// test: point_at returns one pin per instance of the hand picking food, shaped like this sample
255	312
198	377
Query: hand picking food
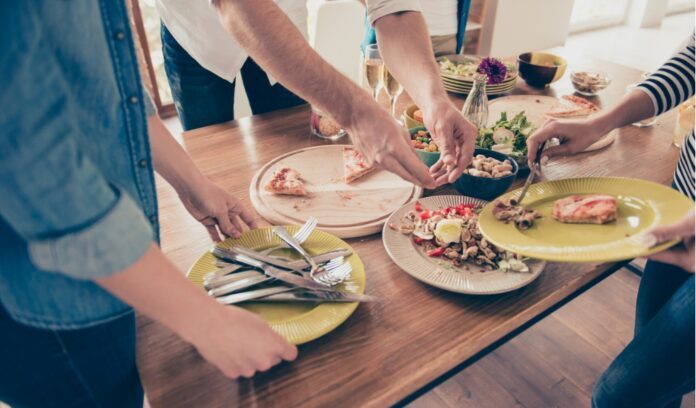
586	209
286	181
354	166
509	210
488	167
452	233
507	136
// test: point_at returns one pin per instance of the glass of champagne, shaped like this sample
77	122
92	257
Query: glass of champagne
393	89
373	68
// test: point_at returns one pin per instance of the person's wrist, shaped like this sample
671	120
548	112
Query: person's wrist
435	105
603	124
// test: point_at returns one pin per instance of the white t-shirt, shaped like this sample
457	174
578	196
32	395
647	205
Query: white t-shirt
440	16
195	25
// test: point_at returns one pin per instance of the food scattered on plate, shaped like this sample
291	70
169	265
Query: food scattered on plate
507	136
496	70
488	167
586	209
423	141
589	82
571	106
286	181
509	211
452	233
354	166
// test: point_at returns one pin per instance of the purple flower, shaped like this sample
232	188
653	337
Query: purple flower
495	70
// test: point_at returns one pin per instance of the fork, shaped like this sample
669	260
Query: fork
300	236
284	235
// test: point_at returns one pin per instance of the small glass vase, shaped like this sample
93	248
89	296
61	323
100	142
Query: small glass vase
475	108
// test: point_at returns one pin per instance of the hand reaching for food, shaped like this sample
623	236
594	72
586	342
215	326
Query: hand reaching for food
455	138
222	214
574	136
682	254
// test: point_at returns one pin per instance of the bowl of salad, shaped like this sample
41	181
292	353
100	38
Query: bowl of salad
508	136
426	148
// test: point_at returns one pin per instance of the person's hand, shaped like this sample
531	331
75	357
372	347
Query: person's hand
574	136
239	343
384	143
222	214
682	254
455	137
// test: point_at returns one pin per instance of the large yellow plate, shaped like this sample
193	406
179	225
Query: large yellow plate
297	322
641	205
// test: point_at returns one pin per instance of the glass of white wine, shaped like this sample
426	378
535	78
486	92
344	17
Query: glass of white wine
373	68
393	89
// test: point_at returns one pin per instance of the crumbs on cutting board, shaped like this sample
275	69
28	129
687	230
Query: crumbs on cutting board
345	196
301	204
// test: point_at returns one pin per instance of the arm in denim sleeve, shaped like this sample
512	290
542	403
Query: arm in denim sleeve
51	194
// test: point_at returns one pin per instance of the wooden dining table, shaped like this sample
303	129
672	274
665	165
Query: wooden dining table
416	336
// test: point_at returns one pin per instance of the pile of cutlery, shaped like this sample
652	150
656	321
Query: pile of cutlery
244	274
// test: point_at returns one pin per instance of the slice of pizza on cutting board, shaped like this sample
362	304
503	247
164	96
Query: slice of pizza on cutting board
286	181
354	166
571	106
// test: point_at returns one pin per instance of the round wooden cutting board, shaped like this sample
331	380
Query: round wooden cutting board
535	107
345	210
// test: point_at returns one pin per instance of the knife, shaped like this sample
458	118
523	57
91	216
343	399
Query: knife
296	265
310	296
252	294
216	282
532	173
238	285
225	270
279	274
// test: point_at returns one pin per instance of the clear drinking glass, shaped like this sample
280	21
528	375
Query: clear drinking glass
373	68
393	89
476	105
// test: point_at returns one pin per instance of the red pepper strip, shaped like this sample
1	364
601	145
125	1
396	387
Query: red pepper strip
418	206
425	215
418	240
436	252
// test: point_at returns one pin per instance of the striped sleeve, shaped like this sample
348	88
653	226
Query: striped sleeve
673	83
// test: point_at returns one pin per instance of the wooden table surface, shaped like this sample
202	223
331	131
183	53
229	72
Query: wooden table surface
416	335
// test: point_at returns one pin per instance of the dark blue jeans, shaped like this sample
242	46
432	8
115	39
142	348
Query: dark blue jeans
202	98
92	367
657	367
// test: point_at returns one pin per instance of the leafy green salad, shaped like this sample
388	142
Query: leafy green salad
507	136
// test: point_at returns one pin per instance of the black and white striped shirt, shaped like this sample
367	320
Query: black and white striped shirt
669	86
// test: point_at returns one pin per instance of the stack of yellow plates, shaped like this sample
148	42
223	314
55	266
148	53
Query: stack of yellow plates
462	83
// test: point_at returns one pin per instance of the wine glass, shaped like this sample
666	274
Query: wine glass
393	89
373	68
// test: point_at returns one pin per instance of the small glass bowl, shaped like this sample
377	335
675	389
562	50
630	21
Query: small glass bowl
589	82
324	126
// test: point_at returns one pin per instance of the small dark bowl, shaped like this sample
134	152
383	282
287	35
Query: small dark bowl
539	69
487	188
429	158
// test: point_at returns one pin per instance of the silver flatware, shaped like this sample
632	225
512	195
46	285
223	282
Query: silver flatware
239	284
215	282
284	235
252	294
274	272
295	265
300	236
226	269
308	296
533	170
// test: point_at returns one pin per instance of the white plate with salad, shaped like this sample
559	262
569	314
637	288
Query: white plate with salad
437	241
512	119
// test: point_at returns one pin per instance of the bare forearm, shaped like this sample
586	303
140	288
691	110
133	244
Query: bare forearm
408	55
155	288
170	159
269	37
633	107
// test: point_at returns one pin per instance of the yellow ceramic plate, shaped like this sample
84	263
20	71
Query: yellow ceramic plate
297	322
641	205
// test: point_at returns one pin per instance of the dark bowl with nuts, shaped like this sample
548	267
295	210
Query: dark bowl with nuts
488	176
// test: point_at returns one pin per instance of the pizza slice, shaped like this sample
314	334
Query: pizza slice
585	209
354	165
286	181
571	106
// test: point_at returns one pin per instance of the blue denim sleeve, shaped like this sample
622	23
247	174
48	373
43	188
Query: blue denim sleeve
74	221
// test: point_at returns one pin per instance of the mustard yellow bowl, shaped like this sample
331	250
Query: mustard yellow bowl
409	120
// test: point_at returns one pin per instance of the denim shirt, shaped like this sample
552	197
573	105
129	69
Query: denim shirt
77	195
